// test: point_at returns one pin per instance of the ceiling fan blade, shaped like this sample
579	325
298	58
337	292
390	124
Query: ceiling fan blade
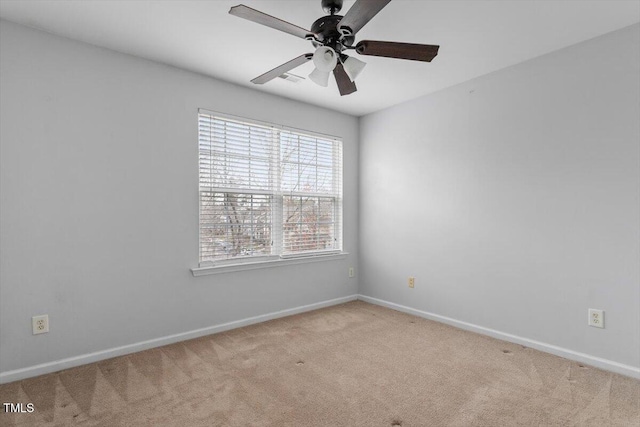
345	85
415	52
250	14
359	14
280	70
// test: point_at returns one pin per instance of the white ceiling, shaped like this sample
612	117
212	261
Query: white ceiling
476	38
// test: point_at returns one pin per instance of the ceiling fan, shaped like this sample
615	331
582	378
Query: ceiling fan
333	34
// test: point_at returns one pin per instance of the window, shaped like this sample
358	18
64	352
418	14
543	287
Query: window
266	191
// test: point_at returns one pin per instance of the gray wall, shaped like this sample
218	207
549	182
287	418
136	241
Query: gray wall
514	199
99	201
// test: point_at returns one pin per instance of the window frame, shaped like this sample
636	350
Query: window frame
278	257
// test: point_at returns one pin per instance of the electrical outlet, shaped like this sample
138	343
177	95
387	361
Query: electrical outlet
40	324
412	282
352	272
596	318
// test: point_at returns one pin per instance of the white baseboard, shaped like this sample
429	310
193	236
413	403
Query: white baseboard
46	368
608	365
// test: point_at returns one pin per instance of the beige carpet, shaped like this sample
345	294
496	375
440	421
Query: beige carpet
354	364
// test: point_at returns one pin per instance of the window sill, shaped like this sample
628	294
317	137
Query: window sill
230	268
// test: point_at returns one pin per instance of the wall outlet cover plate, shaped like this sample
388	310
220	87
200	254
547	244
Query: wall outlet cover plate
40	324
596	318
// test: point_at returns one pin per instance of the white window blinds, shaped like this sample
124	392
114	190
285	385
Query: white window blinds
266	190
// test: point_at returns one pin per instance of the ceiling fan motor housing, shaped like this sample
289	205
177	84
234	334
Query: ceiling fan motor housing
326	33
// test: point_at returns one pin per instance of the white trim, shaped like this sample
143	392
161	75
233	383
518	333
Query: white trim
239	260
46	368
608	365
243	266
311	254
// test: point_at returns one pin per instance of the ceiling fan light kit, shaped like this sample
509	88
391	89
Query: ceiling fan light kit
325	59
353	67
333	34
319	77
